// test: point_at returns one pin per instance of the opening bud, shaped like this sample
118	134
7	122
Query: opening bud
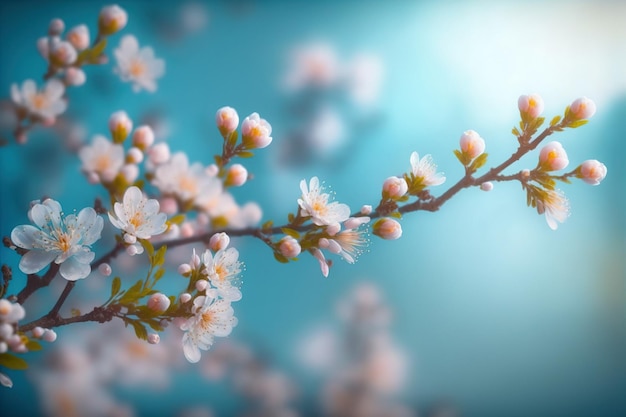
387	228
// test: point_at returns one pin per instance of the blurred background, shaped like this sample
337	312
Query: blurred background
478	310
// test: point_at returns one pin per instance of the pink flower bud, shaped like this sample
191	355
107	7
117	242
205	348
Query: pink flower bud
186	229
387	228
592	171
134	155
582	108
486	186
6	331
130	239
62	53
472	144
552	157
112	19
120	126
49	335
256	132
158	302
43	47
219	241
366	209
201	284
531	106
289	247
132	250
93	178
38	332
236	176
154	338
130	172
78	36
525	174
56	27
227	120
394	188
105	269
212	170
184	269
333	229
159	153
354	222
185	297
168	205
75	76
143	137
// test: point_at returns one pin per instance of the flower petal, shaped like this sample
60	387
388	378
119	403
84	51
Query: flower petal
72	269
36	260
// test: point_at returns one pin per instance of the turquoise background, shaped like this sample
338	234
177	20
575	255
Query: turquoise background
500	315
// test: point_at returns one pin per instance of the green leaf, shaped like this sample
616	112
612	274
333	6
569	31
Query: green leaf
158	274
12	362
140	330
267	225
147	246
516	132
461	157
133	293
178	219
218	160
578	123
479	161
98	48
159	257
396	214
290	232
245	154
232	139
33	346
115	286
280	258
555	120
75	312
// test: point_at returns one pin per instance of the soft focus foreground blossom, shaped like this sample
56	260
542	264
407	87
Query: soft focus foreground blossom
530	106
314	203
63	240
212	317
592	171
112	19
313	65
472	144
190	184
120	126
46	103
138	216
138	66
555	206
255	132
552	157
78	36
102	160
582	108
425	171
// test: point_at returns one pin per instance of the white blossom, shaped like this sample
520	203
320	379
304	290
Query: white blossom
62	240
46	103
138	66
314	203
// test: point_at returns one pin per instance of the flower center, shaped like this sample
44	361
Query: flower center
103	162
39	101
206	319
137	68
64	242
320	207
136	220
188	184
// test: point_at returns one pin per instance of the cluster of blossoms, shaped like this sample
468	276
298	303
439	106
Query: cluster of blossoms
66	55
13	341
215	281
321	83
539	183
364	369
